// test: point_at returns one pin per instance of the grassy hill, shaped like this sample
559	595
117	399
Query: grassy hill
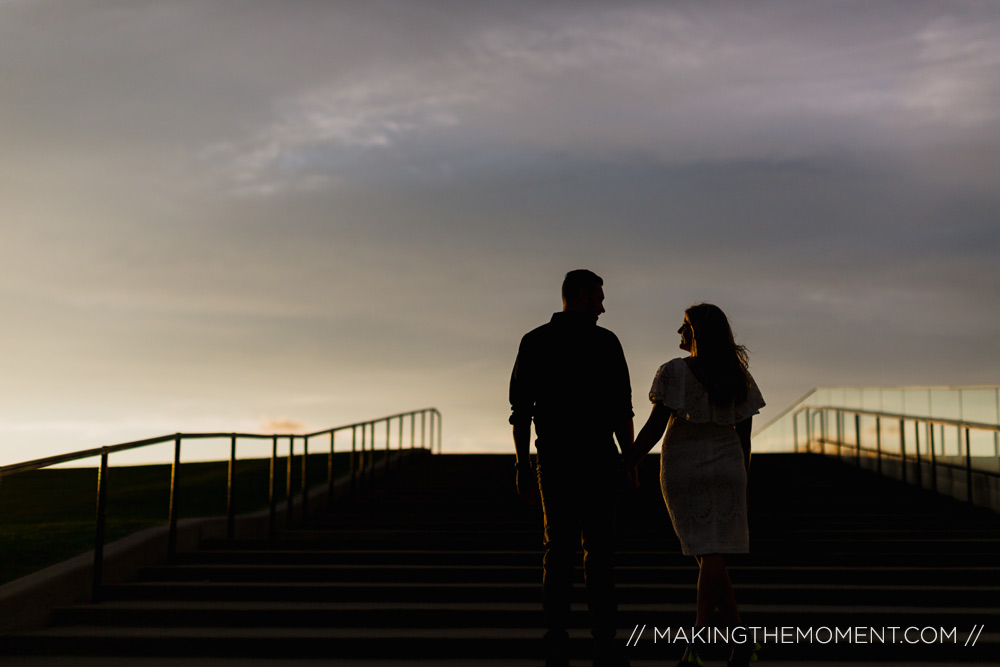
47	516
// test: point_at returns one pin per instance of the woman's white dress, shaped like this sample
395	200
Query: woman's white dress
702	474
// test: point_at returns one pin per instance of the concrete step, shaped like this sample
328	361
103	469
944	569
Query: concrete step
764	536
322	552
803	592
443	567
447	643
531	574
398	614
328	554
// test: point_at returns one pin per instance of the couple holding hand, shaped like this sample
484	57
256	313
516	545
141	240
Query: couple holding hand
572	381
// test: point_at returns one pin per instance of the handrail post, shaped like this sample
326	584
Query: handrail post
305	479
968	465
366	454
329	470
857	438
371	454
930	445
174	491
808	431
413	432
102	510
289	498
230	502
272	527
795	432
431	429
423	429
916	449
822	431
878	442
362	461
388	423
840	432
440	430
354	448
902	445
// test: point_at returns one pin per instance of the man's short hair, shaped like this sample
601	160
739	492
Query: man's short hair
580	279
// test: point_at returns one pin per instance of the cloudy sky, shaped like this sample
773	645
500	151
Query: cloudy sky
240	215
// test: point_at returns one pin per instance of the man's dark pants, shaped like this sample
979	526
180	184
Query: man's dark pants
578	493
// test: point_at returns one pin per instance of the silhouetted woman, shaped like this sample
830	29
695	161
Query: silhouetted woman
705	403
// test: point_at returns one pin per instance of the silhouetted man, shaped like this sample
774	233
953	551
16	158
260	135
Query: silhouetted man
571	378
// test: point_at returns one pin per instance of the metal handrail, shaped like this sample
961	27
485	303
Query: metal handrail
959	423
361	469
929	422
781	415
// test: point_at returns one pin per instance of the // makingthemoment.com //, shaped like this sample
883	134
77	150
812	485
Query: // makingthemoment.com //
794	635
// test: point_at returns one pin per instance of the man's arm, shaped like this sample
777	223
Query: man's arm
625	434
625	430
525	480
521	404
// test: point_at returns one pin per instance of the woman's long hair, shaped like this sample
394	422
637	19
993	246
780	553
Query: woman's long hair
720	363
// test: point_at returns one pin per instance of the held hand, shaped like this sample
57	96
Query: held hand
527	485
628	468
633	475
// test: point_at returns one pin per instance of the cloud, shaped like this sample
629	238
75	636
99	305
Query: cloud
678	83
955	80
320	133
281	425
213	210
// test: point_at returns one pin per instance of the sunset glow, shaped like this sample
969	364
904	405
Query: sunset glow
258	216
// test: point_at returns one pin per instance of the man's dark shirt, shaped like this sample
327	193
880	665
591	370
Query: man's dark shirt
572	378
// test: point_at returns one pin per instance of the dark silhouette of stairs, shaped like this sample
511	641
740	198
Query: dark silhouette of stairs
441	564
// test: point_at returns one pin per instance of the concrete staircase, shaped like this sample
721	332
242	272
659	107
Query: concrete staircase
440	565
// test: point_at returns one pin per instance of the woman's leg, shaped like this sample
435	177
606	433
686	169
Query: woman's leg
715	589
727	599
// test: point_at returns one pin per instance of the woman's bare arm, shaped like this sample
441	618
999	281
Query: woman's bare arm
650	434
743	429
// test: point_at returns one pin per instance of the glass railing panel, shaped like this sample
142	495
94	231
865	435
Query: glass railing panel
871	399
954	441
946	404
922	435
826	396
852	398
831	396
917	402
892	401
889	436
983	447
972	404
915	438
851	432
866	434
980	405
828	431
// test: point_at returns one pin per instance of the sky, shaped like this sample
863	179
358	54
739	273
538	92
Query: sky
259	216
